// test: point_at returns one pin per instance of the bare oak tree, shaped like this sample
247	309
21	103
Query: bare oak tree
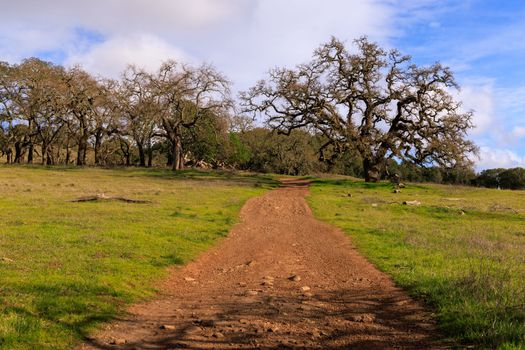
83	100
374	102
186	95
138	108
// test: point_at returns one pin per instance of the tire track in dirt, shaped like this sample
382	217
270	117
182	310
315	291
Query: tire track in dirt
242	294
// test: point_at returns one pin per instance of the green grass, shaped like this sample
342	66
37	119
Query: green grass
462	250
65	267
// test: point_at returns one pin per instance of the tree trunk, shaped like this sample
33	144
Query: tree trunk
30	154
176	152
29	141
96	149
150	156
372	170
142	155
81	153
49	158
169	155
18	152
124	147
178	161
82	146
68	152
44	152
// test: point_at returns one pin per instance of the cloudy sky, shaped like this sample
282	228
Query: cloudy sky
481	40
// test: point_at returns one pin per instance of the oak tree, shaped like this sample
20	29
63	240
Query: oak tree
373	102
187	95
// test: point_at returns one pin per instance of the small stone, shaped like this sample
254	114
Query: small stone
295	278
411	202
397	191
267	284
243	321
218	335
168	327
268	278
189	279
349	194
193	330
206	323
314	332
242	284
305	288
251	292
118	341
7	260
374	205
272	329
364	318
308	294
251	263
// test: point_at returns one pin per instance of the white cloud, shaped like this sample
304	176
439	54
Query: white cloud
518	132
111	57
499	158
31	27
243	38
122	15
478	95
285	33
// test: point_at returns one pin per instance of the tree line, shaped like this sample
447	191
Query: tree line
366	112
56	114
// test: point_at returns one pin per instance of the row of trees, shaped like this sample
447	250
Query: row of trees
359	113
51	112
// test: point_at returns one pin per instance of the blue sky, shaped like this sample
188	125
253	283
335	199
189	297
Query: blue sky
482	41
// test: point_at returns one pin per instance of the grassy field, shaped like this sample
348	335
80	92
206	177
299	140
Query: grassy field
462	250
65	267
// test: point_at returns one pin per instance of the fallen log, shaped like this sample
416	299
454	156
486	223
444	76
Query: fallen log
102	196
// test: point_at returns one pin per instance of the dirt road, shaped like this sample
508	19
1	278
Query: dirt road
281	280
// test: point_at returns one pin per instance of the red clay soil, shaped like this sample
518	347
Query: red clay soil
280	280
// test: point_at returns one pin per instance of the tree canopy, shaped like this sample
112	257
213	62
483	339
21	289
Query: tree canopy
374	102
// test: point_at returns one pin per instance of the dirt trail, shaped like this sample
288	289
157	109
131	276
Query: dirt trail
239	295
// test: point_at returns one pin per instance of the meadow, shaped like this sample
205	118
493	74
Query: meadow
461	251
67	266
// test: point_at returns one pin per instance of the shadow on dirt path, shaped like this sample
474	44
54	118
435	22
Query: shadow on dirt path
280	280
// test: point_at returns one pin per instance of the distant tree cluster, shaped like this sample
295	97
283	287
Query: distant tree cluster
513	179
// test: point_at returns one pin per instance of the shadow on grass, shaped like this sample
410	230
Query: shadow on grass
240	178
361	184
66	306
227	176
349	183
44	312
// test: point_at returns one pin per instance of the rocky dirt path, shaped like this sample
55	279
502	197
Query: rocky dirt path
280	280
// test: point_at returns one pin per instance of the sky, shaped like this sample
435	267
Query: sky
482	41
